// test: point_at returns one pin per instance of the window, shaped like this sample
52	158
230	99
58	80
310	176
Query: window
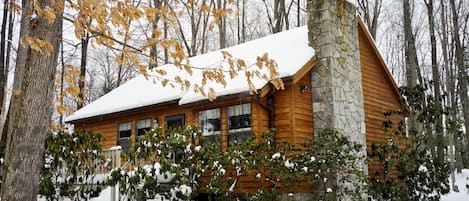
239	122
124	132
175	121
143	126
209	124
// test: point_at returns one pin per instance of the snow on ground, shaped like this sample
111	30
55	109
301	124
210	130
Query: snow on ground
463	185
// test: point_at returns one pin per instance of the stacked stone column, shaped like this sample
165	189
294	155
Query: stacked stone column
336	78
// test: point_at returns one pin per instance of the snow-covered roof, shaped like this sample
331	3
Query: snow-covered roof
288	49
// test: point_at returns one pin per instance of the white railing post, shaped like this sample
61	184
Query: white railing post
114	154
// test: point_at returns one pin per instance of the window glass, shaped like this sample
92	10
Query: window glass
239	122
125	130
143	126
124	133
209	124
175	121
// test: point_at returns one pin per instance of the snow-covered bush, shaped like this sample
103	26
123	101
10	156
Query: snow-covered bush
165	163
330	164
178	165
71	163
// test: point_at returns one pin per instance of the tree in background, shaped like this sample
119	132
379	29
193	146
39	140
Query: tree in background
370	11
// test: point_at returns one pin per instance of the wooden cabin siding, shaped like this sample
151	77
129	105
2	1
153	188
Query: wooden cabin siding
260	115
293	117
283	114
302	105
379	96
107	126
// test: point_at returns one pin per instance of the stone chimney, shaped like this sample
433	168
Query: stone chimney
336	78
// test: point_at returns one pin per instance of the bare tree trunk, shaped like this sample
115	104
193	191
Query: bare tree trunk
462	74
450	83
371	16
11	24
238	23
82	79
298	13
221	5
62	76
243	24
276	21
440	147
453	147
3	67
411	55
4	109
153	61
203	48
31	105
165	35
121	64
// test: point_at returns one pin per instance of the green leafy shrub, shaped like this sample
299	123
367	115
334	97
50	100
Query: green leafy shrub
71	163
410	168
176	165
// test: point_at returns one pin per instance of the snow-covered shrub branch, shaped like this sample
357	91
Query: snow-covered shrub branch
72	162
177	165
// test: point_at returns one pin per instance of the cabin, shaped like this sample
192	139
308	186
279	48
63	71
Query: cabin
143	103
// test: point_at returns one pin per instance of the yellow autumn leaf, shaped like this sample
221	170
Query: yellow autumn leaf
32	44
211	94
241	63
49	14
61	109
164	82
78	28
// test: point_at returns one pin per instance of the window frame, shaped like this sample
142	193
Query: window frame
119	131
137	126
245	131
181	116
215	137
217	132
120	140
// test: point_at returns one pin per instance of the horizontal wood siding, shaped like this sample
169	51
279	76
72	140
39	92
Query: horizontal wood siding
302	110
379	97
107	127
283	115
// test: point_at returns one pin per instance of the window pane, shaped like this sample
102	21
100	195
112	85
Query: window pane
175	121
143	123
239	117
125	130
143	126
125	126
209	122
239	123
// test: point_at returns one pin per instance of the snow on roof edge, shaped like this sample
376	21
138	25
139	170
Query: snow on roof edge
289	64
